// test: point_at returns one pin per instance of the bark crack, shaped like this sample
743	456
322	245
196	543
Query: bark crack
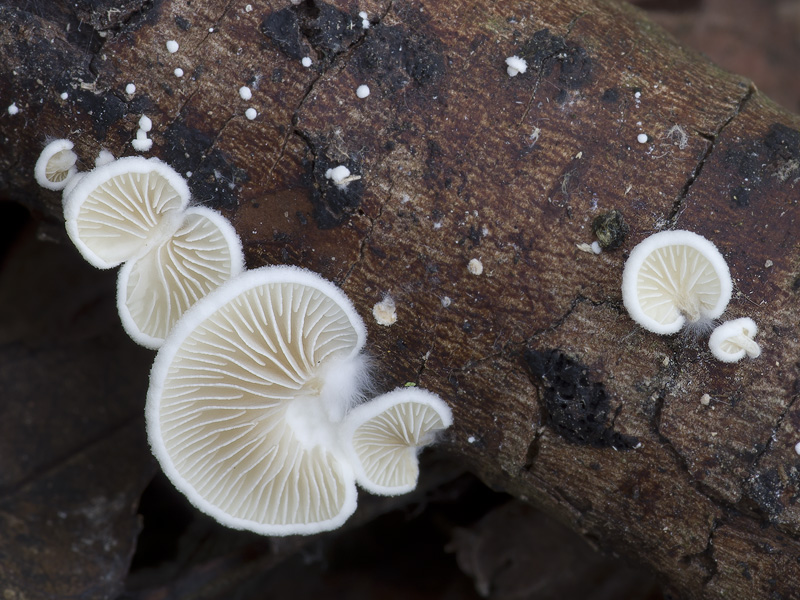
698	169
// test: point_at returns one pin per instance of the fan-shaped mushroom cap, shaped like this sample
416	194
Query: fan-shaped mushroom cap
56	165
238	405
156	288
382	438
673	277
733	339
120	209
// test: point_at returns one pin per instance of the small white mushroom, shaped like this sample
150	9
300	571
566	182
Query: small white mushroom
245	93
475	266
516	65
732	340
56	165
383	437
385	311
675	278
172	46
362	91
341	176
251	113
246	400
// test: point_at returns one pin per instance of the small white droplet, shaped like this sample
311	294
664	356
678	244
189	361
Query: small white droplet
642	138
64	95
471	439
306	62
13	108
362	91
475	266
178	72
637	95
797	447
596	247
172	46
245	93
130	89
705	399
251	113
145	124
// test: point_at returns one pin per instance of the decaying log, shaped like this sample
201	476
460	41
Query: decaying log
558	397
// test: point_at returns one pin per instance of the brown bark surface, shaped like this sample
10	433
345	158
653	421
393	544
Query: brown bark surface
558	397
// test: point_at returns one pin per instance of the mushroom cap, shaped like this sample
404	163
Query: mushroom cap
119	209
673	277
732	340
235	406
56	165
382	438
157	287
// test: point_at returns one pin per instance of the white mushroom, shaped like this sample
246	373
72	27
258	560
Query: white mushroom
733	339
120	209
382	438
245	400
133	210
56	165
674	278
155	289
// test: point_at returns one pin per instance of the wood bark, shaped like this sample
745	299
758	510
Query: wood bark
558	397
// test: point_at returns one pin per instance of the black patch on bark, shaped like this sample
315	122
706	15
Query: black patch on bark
214	177
183	24
394	57
318	24
544	51
332	205
763	164
772	492
610	96
610	229
576	408
104	109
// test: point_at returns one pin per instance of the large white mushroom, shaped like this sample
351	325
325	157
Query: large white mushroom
675	278
246	400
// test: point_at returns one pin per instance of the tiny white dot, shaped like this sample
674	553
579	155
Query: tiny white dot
251	113
797	447
637	95
245	93
471	439
178	72
362	91
210	30
64	95
13	109
248	8
172	46
642	138
446	301
306	62
475	266
130	89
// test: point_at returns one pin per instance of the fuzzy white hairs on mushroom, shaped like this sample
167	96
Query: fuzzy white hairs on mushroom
676	279
136	211
246	398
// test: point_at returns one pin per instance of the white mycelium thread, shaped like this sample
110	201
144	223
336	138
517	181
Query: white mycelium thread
245	399
384	435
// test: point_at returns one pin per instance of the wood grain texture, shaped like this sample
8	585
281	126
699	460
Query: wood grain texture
458	161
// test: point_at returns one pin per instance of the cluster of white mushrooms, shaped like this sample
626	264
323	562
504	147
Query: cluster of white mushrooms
256	406
677	279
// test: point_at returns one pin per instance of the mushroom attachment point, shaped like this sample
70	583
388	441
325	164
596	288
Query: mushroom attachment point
56	165
383	437
246	399
134	210
732	340
675	278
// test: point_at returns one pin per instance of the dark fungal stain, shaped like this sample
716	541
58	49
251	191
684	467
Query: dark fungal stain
771	492
610	229
610	96
763	164
183	24
395	57
575	407
105	110
333	205
322	26
214	177
545	51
